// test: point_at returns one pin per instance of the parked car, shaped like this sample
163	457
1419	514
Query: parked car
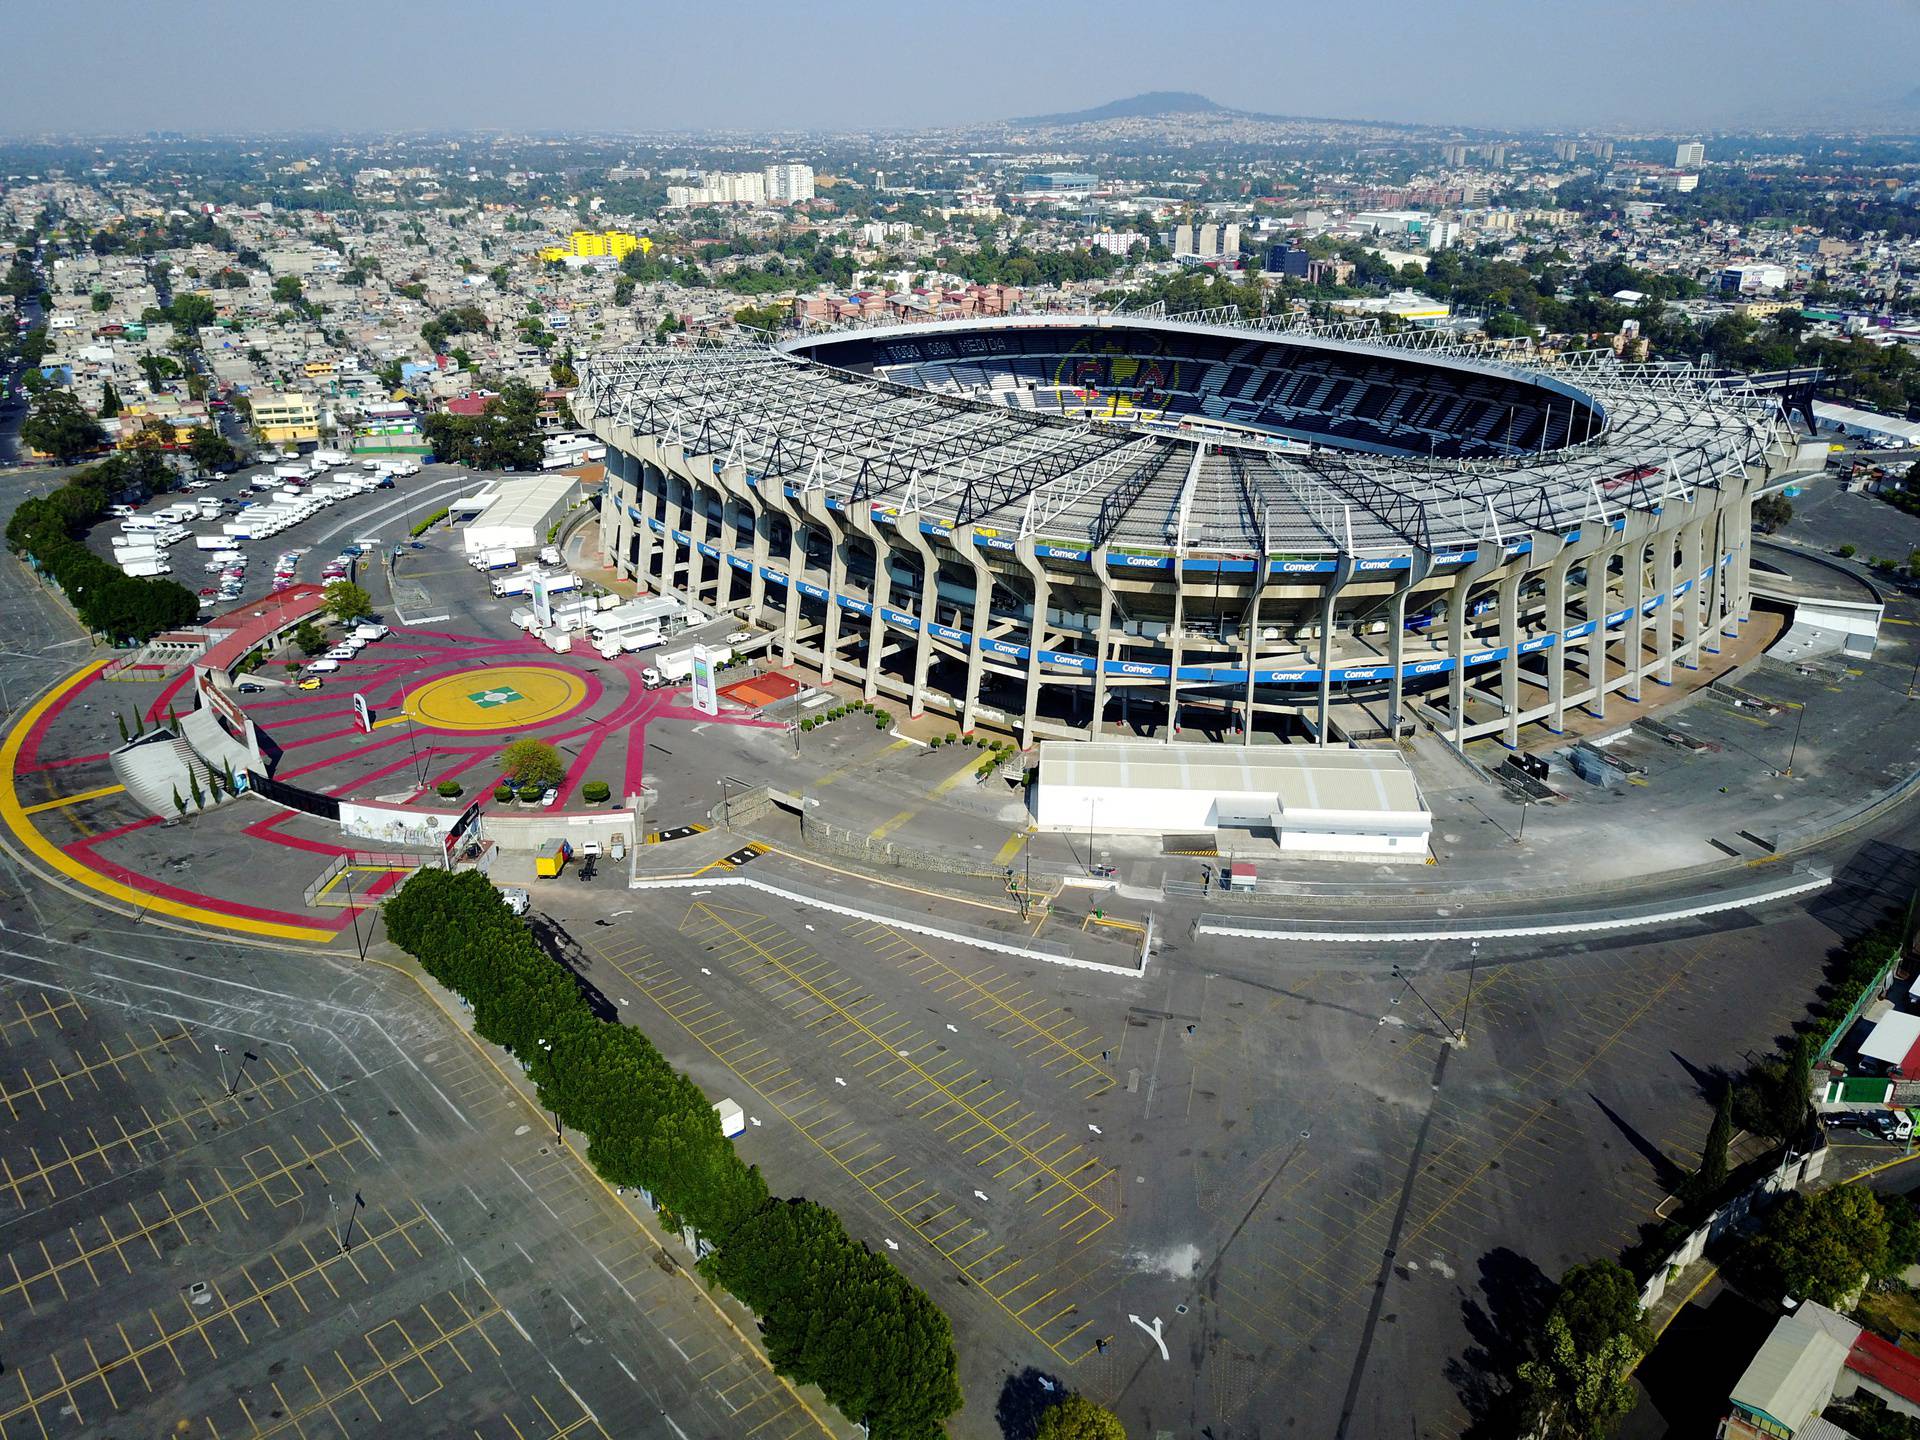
739	637
550	797
250	687
308	682
323	666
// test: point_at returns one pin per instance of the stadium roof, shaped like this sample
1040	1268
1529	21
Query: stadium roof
857	439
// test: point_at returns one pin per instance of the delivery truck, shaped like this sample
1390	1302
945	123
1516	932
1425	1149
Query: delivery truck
147	567
212	542
676	667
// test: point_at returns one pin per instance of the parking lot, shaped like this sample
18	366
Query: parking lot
247	1195
1282	1164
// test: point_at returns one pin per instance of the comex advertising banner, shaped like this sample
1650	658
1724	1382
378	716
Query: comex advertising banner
706	699
361	713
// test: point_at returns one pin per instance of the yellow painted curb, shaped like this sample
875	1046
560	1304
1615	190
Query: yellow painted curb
49	854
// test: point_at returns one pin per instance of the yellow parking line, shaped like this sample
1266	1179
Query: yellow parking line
857	764
15	817
65	800
963	773
887	827
1010	849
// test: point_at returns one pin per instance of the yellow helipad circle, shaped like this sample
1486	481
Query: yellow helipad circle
500	697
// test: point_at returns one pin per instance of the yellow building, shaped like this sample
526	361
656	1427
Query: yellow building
286	419
176	418
594	245
318	369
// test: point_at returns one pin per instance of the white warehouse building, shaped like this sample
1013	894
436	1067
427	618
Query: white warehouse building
519	514
1362	804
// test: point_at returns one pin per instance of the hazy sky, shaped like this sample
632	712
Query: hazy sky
132	65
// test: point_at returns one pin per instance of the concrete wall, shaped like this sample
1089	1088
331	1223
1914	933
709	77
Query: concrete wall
528	830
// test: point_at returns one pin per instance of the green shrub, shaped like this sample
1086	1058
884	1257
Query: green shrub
951	737
807	724
879	722
450	789
832	1311
427	524
934	744
532	793
594	791
503	793
1848	551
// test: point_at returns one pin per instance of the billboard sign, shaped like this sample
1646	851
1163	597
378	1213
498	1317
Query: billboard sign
542	602
706	698
362	714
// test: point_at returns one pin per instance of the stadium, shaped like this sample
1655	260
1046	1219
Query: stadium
1079	525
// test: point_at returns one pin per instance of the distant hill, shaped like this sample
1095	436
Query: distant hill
1139	107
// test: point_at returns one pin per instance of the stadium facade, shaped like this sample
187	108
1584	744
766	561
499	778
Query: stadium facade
1066	523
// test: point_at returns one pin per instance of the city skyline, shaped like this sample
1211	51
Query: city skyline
854	65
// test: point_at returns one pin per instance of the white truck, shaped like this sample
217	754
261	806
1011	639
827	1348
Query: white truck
676	667
139	568
628	642
507	585
213	542
210	506
329	457
493	560
285	472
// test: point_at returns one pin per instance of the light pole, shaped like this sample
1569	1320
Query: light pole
246	1056
1466	1010
222	1052
1525	806
346	1233
558	1138
1794	748
1093	806
353	912
726	804
1407	980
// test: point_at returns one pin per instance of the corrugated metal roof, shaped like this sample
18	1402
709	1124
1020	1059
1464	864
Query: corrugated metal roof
1792	1376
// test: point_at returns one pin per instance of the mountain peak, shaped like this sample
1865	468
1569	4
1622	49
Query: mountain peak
1150	105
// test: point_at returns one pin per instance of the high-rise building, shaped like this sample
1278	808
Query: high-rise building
788	184
1565	150
1454	155
1689	156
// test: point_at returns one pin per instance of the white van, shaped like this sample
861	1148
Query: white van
321	667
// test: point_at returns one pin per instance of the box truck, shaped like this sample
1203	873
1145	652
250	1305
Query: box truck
212	542
146	567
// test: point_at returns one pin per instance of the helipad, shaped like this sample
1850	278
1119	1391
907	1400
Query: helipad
500	697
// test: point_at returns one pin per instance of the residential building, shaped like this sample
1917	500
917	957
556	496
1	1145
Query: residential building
287	419
613	245
1689	155
1810	1358
788	184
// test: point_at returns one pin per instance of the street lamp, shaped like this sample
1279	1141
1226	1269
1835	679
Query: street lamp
1794	748
558	1138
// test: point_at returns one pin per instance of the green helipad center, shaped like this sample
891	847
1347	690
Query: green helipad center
503	697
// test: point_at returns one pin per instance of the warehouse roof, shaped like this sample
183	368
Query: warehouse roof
530	502
1306	780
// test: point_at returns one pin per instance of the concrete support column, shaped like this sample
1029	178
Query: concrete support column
794	563
1597	603
837	553
1691	562
646	478
881	597
762	546
1102	642
1720	537
1251	650
1556	653
1176	645
1329	602
1485	561
907	527
1633	635
1740	607
982	617
1036	634
1665	578
1510	662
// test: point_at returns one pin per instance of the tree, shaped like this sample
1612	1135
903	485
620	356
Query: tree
209	449
189	312
100	302
1772	512
1821	1247
1600	1299
310	638
109	401
348	601
532	762
1575	1394
1712	1173
287	290
59	425
158	369
1078	1418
